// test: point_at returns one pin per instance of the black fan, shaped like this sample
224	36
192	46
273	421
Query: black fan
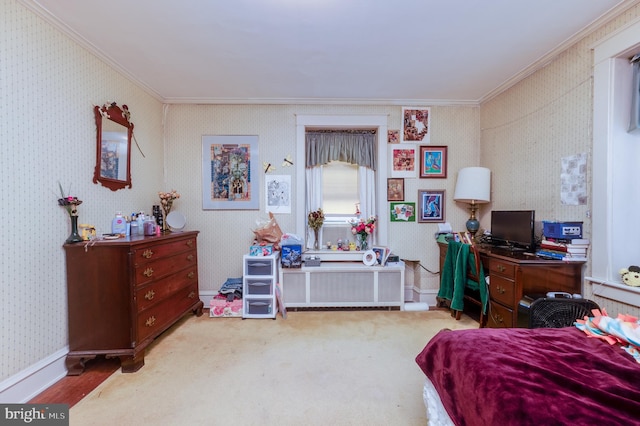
559	312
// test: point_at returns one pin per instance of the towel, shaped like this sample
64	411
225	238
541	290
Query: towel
453	277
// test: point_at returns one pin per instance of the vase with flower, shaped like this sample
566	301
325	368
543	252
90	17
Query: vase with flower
361	229
71	206
315	221
166	202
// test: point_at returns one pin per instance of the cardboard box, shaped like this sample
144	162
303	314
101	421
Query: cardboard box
291	256
265	250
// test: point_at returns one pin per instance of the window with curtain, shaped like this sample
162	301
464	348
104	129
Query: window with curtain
336	154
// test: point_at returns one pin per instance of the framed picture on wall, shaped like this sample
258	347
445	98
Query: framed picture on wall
431	205
403	161
395	189
433	161
416	125
229	173
403	212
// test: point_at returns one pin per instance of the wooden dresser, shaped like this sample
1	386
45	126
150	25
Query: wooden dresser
515	274
123	293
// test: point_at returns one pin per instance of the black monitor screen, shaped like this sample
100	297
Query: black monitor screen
513	228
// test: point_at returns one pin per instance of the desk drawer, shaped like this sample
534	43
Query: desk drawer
159	290
502	268
154	320
502	290
499	316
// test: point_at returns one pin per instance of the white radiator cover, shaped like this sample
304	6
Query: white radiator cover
343	284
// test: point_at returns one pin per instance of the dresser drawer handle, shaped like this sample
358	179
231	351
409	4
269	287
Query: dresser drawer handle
147	254
190	243
191	274
499	318
501	290
192	295
501	268
150	295
148	272
150	321
190	257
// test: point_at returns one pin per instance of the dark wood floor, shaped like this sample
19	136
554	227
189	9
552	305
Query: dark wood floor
71	389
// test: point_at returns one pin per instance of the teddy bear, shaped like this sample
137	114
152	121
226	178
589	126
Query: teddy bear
631	275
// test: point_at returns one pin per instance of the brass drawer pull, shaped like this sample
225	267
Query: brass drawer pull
147	254
150	321
501	268
191	274
501	290
150	295
190	257
499	318
190	243
148	272
192	295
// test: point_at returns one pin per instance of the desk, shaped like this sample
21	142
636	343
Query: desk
514	274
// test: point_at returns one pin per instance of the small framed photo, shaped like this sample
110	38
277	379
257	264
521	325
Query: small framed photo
403	212
431	205
433	161
395	189
393	136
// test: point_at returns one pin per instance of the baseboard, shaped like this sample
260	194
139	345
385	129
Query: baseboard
24	386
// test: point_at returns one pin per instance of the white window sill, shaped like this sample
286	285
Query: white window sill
615	291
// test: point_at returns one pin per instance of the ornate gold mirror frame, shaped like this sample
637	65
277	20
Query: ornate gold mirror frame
113	148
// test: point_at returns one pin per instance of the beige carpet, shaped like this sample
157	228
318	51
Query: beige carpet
315	367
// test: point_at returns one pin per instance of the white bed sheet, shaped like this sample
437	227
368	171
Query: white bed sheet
436	414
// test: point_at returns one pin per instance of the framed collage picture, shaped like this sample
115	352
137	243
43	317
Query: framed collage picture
433	161
416	125
403	161
403	212
431	205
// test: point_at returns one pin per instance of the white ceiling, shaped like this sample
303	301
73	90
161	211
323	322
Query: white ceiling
325	51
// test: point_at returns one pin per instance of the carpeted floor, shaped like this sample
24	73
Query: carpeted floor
315	367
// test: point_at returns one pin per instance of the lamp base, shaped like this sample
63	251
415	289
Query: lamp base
473	225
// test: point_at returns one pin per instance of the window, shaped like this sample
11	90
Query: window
339	191
378	122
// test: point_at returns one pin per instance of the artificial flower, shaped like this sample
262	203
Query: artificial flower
69	203
316	219
167	199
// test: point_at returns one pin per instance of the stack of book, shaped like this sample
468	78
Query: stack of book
572	250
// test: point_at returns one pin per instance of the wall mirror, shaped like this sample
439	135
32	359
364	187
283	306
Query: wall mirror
113	148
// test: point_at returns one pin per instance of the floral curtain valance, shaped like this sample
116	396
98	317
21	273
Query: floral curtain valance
348	146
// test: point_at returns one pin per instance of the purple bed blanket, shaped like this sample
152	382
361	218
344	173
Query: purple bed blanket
538	376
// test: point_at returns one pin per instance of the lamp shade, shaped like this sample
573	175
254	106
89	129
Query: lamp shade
473	185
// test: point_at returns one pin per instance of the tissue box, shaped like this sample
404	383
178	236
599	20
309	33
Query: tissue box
265	250
291	256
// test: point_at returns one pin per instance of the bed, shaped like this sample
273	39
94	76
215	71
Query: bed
514	376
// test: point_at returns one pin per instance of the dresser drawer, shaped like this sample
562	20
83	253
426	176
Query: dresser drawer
499	316
502	268
261	286
502	290
259	267
155	319
157	251
162	267
159	290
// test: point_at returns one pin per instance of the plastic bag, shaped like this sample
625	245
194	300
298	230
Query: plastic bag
269	232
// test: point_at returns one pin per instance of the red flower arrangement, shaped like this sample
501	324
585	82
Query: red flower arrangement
363	228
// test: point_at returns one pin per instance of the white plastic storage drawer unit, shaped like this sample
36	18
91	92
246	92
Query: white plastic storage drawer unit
260	275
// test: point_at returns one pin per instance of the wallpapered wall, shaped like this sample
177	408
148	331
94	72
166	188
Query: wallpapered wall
48	87
226	235
527	130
